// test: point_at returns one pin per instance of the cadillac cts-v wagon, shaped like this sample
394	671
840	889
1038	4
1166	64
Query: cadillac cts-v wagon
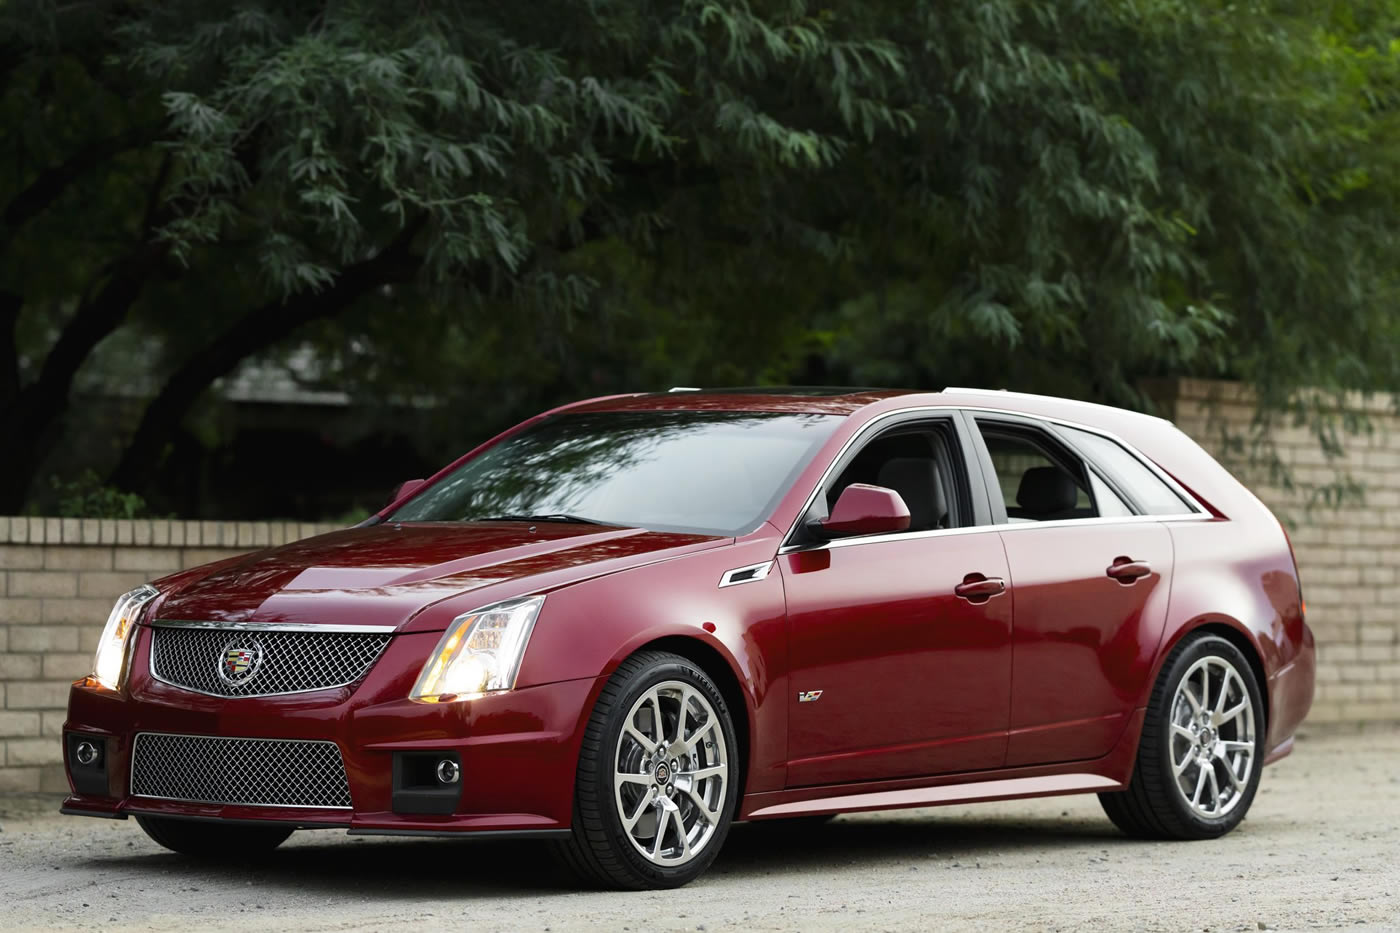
628	622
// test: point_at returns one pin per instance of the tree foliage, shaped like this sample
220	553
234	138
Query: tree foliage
498	205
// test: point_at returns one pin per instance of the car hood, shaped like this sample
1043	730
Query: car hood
387	574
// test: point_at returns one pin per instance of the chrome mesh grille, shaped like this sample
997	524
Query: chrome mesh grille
258	772
286	662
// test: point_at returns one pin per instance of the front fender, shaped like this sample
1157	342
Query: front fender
588	629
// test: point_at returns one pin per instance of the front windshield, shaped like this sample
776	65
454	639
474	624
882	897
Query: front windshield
704	472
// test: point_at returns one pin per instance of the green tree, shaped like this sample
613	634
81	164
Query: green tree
1128	190
499	204
221	178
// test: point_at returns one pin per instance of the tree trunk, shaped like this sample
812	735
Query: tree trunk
10	305
29	417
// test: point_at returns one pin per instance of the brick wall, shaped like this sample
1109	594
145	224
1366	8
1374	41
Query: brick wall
58	579
1348	555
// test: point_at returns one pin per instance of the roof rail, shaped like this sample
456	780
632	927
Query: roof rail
1053	398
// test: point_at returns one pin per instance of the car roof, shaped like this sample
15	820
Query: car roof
843	400
824	400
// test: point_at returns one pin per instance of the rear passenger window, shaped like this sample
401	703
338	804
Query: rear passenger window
1110	506
1039	481
1151	493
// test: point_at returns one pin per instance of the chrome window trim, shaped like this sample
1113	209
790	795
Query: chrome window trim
1200	513
131	775
990	529
760	572
278	627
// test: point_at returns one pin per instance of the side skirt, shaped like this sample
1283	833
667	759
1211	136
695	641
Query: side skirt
950	793
1109	773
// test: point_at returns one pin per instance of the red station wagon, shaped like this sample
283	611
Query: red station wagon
628	622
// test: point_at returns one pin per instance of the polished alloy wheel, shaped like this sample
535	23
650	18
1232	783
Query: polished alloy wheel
1212	737
670	773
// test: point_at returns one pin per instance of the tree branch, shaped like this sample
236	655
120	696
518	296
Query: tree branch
53	181
255	332
30	412
94	320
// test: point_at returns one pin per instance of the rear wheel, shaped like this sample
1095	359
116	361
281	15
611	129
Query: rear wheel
203	839
1202	747
657	777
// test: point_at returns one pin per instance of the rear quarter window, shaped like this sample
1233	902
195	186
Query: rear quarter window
1149	490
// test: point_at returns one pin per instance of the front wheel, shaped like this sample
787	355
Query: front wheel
1202	747
201	839
657	777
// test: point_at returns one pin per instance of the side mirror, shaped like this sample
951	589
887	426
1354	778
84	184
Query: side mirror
404	489
865	510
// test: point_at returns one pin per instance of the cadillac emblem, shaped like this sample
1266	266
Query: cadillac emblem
240	661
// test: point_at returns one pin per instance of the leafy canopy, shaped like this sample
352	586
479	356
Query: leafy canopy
498	205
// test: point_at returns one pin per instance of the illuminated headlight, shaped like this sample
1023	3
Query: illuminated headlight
110	659
479	653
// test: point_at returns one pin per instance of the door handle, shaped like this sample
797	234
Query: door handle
976	588
1126	570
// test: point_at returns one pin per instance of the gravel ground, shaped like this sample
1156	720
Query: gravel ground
1321	849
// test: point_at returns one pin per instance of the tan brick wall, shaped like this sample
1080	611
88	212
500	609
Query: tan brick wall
1348	556
58	579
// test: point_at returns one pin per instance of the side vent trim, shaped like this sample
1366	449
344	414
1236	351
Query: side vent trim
750	574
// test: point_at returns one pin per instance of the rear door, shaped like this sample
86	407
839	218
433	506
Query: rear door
1091	573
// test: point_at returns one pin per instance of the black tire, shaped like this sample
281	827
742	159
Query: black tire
207	840
1153	806
599	849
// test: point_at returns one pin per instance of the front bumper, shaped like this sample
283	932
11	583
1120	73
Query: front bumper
518	751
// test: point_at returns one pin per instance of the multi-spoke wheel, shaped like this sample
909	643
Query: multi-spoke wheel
1212	737
671	773
656	780
1201	749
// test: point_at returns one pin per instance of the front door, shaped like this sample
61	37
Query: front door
892	673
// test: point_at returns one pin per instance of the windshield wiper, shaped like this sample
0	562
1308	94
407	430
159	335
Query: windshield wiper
549	517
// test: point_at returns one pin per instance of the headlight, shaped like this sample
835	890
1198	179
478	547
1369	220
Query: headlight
479	653
111	648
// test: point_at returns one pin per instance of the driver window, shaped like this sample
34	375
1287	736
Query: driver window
916	462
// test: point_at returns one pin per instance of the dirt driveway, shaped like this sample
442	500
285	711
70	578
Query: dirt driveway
1321	850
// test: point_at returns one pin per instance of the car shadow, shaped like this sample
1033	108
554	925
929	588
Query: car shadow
388	869
760	847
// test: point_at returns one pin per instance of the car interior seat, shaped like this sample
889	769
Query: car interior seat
1045	494
919	484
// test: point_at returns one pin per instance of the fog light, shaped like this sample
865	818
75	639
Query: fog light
429	781
86	756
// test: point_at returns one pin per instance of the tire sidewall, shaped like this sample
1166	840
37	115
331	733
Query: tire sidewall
1202	647
639	683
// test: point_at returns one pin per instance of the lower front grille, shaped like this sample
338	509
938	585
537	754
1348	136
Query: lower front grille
257	772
